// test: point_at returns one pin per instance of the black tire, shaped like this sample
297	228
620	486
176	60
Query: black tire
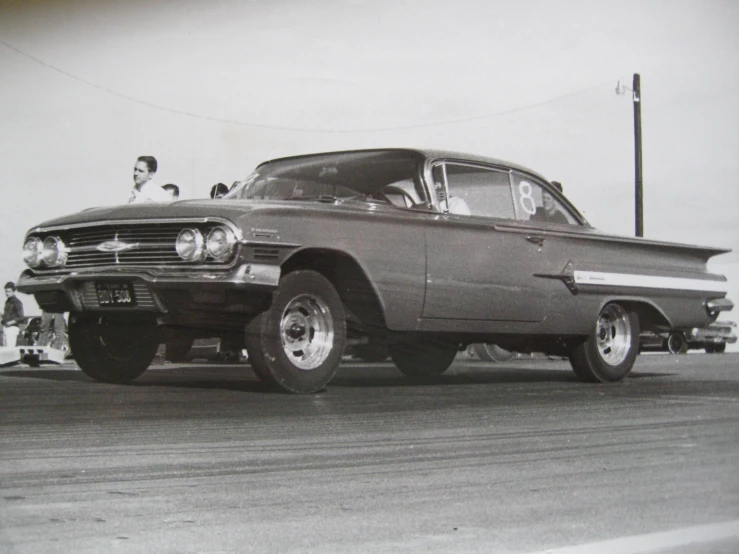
608	355
178	347
716	348
489	352
297	344
253	339
113	350
423	358
676	343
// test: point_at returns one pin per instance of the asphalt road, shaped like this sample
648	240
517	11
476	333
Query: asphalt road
517	457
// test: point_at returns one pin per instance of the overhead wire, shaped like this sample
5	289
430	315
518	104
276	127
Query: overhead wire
449	121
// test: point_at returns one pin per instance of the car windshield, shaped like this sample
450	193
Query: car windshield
329	176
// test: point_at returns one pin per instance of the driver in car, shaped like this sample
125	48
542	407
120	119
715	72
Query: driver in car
548	211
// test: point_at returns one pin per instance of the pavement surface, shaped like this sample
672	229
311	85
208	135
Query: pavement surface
517	457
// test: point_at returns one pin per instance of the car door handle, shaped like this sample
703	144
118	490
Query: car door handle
535	239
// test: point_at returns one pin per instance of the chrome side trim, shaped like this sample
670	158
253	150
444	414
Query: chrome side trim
627	280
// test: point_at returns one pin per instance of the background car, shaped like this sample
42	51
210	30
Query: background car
712	338
30	333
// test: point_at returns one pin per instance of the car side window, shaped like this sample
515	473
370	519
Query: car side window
474	190
534	203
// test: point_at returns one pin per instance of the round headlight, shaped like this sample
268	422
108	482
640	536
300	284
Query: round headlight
220	243
32	252
189	245
54	253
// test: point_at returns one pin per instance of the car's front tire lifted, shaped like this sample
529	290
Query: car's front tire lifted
112	349
423	357
610	351
297	344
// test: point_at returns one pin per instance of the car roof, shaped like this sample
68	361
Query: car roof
421	153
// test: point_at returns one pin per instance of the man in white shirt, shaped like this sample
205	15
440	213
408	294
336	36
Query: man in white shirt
145	189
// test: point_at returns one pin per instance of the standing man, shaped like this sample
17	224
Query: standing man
12	315
145	189
51	322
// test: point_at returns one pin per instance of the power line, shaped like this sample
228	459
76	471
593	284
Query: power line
152	105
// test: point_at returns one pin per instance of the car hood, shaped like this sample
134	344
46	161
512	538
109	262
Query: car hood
199	209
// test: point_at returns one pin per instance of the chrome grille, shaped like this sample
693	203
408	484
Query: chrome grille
146	245
155	245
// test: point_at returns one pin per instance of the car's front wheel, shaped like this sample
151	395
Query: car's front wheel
610	351
113	350
423	358
298	343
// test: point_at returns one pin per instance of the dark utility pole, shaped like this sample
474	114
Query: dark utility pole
638	185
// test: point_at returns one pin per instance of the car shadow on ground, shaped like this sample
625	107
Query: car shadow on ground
232	378
241	377
464	374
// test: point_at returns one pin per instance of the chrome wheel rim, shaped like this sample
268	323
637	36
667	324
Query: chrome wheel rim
307	331
674	343
613	334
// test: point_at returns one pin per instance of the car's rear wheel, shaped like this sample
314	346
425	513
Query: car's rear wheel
716	348
297	344
610	351
676	343
422	358
113	350
492	352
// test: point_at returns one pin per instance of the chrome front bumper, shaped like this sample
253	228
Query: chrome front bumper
79	286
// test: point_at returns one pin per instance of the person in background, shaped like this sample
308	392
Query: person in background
218	190
49	321
12	316
454	204
173	190
145	189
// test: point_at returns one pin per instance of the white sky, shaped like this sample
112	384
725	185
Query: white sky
86	86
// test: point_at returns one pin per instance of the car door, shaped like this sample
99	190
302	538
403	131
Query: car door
475	270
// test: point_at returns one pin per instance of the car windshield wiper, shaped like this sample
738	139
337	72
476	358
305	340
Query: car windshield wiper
329	198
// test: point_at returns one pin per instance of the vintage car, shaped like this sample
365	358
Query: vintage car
712	338
417	252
